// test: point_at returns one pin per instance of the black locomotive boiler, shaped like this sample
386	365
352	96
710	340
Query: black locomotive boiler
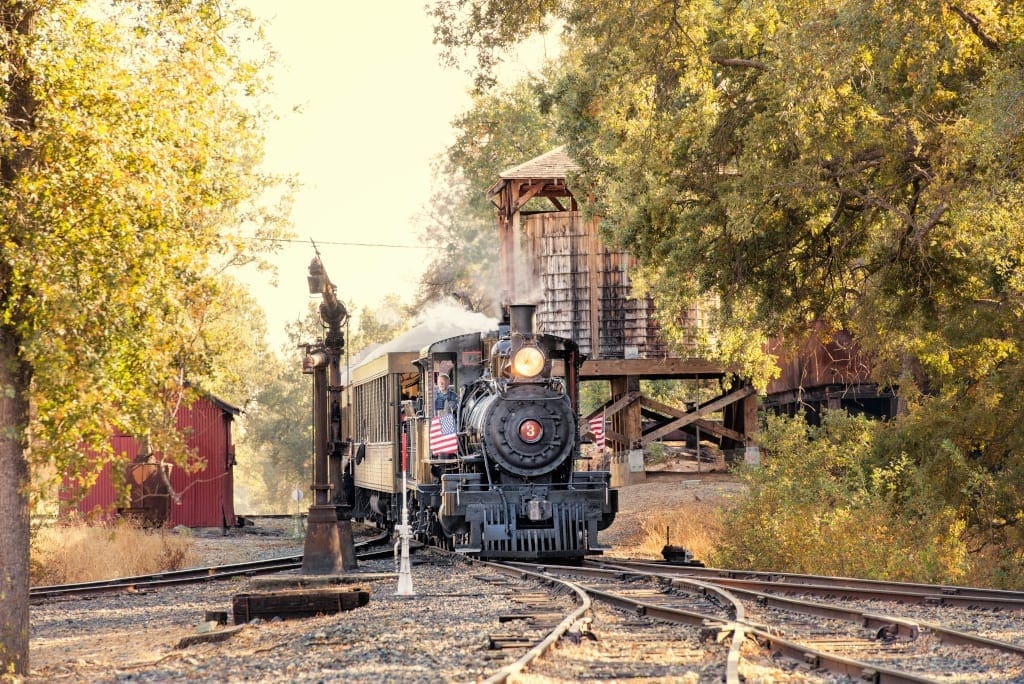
491	469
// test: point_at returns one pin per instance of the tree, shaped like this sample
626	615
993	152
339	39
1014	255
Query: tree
487	28
805	162
129	154
277	436
464	255
277	428
844	165
817	505
501	129
379	323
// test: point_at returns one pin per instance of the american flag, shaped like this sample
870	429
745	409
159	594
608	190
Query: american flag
443	437
597	427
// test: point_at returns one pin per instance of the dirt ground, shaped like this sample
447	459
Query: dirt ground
678	486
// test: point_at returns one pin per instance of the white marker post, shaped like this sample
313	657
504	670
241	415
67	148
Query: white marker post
404	533
297	497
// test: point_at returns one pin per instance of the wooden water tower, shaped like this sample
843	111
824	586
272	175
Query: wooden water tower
552	256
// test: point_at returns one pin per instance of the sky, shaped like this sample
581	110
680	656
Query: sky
365	107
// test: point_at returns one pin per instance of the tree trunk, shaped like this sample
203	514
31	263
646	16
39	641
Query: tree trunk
14	511
17	23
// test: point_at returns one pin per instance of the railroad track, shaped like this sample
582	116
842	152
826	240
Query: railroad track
706	610
627	620
202	574
846	640
538	624
843	587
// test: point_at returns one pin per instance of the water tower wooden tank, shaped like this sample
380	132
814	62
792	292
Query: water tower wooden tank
553	257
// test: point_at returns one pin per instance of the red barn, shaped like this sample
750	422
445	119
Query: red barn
206	496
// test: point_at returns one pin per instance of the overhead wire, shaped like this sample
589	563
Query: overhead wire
335	242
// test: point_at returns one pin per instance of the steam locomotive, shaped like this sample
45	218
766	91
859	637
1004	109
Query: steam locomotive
490	471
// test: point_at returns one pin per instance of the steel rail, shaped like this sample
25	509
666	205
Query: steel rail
738	626
952	636
896	595
190	575
900	626
943	591
858	669
897	625
801	652
553	636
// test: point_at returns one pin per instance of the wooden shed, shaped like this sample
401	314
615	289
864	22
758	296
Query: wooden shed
827	371
206	497
551	256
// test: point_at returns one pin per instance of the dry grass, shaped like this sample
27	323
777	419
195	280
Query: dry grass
78	552
693	526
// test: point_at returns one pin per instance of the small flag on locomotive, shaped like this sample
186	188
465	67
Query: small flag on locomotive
597	429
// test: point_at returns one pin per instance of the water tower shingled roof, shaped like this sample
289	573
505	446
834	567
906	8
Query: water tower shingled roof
554	164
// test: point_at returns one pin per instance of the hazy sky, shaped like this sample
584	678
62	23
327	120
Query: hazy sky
372	109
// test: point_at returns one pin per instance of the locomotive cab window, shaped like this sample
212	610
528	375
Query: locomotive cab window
410	392
443	393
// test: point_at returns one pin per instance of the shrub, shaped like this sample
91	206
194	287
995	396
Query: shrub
825	502
655	453
73	551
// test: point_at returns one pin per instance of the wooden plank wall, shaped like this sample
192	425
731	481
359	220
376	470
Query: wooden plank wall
822	360
576	282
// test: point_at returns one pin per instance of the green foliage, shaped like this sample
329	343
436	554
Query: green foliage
129	166
143	160
486	27
276	431
823	503
593	394
277	438
464	256
380	323
656	453
223	342
959	452
848	163
501	129
678	393
852	166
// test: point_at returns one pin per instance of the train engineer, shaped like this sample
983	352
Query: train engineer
444	395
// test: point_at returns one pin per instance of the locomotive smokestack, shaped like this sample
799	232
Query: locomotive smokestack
521	318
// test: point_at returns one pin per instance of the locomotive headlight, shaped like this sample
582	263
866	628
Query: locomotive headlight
528	362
